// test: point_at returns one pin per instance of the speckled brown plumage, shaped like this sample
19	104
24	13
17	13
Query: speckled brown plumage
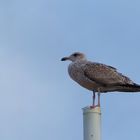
98	77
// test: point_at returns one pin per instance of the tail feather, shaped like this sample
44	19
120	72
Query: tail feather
129	88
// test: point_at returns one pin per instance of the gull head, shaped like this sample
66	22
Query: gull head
75	57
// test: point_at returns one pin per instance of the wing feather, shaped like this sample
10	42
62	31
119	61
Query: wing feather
105	75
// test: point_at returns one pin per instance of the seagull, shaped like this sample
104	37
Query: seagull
97	77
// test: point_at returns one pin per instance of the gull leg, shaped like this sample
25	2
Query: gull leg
93	103
98	99
93	99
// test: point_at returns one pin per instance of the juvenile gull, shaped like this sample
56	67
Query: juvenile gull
98	77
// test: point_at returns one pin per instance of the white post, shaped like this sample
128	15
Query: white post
92	123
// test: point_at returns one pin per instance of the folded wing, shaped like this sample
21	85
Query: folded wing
105	75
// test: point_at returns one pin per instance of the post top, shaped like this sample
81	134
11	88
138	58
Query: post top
89	109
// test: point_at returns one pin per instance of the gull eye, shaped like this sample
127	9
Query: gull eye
75	54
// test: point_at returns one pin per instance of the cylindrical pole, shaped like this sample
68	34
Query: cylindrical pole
92	123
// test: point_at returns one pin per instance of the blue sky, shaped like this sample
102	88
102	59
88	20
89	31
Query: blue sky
38	100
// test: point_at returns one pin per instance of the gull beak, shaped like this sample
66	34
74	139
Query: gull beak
65	58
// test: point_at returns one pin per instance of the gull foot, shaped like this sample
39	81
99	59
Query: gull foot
94	106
